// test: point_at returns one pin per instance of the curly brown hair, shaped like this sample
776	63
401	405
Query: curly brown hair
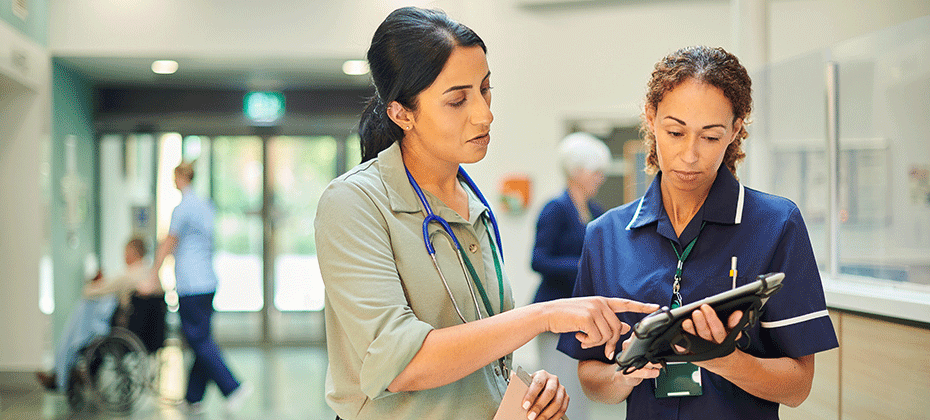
714	66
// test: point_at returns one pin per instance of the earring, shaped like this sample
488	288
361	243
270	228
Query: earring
408	127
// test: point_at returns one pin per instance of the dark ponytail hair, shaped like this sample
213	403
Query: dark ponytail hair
407	53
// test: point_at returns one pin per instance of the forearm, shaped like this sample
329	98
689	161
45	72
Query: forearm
601	382
478	343
782	380
452	353
101	287
164	249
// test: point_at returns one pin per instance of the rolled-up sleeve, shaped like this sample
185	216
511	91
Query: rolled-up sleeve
364	293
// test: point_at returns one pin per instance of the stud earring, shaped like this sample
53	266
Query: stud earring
408	127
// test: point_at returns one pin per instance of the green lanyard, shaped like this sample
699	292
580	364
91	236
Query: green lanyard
477	281
676	286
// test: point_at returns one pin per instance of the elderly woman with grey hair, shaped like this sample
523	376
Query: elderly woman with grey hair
559	239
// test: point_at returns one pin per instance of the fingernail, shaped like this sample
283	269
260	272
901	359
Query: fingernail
526	405
611	356
531	416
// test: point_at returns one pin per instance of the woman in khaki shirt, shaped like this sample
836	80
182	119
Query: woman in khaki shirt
397	344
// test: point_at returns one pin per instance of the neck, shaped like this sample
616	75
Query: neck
580	200
438	177
681	206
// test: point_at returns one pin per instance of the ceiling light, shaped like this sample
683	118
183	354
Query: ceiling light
165	66
355	67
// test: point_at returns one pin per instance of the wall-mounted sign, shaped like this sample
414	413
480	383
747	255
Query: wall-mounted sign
263	108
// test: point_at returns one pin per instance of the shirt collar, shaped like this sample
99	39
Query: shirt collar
404	199
394	176
724	203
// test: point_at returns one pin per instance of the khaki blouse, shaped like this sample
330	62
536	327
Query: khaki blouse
383	294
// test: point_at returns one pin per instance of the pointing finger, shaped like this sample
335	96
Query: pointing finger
626	305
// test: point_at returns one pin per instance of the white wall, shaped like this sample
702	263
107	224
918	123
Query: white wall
24	135
227	28
547	64
798	26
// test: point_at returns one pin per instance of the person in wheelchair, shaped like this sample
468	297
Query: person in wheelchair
109	301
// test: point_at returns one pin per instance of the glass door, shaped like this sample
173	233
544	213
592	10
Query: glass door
236	174
299	168
265	191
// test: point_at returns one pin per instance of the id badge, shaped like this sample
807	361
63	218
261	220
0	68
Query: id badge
679	379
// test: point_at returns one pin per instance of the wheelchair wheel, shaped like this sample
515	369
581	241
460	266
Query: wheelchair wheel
78	394
118	370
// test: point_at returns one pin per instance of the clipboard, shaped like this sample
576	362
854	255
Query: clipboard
511	407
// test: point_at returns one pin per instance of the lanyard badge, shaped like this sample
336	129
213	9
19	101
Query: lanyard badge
676	285
679	379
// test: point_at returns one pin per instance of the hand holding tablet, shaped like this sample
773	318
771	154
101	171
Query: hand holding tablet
655	336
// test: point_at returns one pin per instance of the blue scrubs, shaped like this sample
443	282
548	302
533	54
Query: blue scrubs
192	224
627	254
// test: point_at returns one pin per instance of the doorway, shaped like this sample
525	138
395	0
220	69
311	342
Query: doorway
265	190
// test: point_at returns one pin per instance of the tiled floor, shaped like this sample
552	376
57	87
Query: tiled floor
288	385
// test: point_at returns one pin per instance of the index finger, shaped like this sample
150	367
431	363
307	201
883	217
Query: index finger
626	305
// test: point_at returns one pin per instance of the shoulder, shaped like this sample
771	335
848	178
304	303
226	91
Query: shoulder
556	206
615	218
360	187
761	207
192	202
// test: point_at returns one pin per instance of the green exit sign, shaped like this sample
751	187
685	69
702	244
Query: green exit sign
263	107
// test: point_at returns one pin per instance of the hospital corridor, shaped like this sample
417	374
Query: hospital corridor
432	209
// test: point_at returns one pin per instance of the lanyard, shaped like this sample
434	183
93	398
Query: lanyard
676	286
497	269
484	295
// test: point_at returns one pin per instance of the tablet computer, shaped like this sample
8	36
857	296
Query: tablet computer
657	324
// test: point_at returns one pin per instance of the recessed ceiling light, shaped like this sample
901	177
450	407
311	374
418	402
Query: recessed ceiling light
165	66
355	67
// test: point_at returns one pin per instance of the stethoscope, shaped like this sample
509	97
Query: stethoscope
427	240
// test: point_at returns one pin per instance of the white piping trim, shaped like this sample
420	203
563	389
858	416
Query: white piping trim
795	320
739	205
635	215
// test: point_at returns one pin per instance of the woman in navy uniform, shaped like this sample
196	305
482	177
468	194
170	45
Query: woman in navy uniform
696	212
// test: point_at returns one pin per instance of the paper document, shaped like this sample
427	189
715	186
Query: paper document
512	404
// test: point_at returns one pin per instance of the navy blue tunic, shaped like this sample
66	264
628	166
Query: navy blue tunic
627	254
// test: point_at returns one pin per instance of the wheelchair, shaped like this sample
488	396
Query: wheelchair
113	372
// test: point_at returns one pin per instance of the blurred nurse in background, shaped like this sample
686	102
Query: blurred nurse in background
559	239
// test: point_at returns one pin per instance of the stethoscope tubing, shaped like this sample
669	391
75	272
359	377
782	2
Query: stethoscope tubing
432	217
471	290
427	238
